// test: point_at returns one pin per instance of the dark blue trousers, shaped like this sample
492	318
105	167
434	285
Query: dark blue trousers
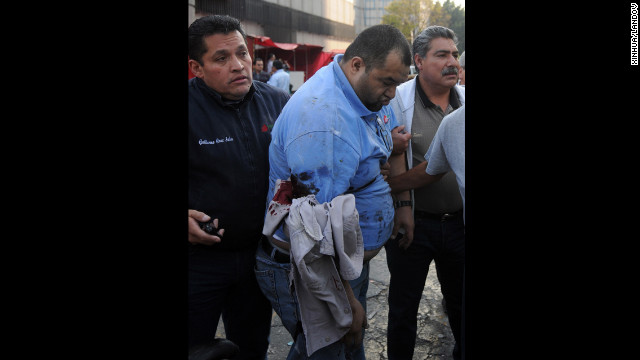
224	284
434	240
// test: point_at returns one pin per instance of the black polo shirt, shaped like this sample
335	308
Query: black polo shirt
229	159
454	101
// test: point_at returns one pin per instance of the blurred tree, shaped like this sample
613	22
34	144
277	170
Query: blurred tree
412	16
456	21
439	15
409	16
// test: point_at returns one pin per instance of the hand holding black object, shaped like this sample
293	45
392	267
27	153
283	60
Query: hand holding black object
202	229
210	228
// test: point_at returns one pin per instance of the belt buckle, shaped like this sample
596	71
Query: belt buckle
446	216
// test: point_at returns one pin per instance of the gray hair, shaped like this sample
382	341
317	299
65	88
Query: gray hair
422	43
461	60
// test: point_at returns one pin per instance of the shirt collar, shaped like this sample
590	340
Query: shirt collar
219	99
348	91
454	101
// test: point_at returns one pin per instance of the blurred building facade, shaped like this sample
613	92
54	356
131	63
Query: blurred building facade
368	13
326	23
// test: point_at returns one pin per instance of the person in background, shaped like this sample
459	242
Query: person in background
332	139
258	71
446	153
270	60
279	78
228	139
461	75
439	236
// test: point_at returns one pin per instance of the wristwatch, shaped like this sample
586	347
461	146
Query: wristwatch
401	203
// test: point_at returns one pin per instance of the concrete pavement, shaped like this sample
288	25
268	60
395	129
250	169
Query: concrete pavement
435	340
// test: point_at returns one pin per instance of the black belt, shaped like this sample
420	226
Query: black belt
440	217
273	252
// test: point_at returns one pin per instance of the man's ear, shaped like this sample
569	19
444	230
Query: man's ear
418	61
196	68
356	64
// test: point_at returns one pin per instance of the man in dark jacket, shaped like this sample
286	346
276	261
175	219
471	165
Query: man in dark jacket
230	121
258	71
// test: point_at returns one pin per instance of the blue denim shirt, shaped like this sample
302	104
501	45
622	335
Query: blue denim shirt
330	143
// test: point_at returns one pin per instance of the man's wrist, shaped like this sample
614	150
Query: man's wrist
401	203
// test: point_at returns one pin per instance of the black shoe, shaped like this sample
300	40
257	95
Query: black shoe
216	349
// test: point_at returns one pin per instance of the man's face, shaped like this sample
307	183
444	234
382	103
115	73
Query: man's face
439	68
378	87
225	66
258	66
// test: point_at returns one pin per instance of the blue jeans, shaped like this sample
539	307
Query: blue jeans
273	278
442	242
360	287
464	318
224	284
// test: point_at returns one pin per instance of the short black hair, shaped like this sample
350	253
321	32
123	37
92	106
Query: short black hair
277	64
375	43
210	25
257	59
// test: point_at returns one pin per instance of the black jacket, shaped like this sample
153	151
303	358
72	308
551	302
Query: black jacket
229	159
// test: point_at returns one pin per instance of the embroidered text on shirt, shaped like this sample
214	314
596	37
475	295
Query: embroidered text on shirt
216	141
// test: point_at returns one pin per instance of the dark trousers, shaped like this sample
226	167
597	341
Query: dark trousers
443	242
224	283
463	330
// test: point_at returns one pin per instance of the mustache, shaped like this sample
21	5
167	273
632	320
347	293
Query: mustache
450	71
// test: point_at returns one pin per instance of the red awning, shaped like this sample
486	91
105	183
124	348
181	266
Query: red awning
266	41
301	57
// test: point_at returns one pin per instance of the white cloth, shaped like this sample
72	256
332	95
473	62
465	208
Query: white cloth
278	206
326	245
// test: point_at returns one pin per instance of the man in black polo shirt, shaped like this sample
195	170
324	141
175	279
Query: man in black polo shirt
421	104
230	121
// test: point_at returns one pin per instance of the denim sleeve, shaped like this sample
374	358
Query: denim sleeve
322	164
